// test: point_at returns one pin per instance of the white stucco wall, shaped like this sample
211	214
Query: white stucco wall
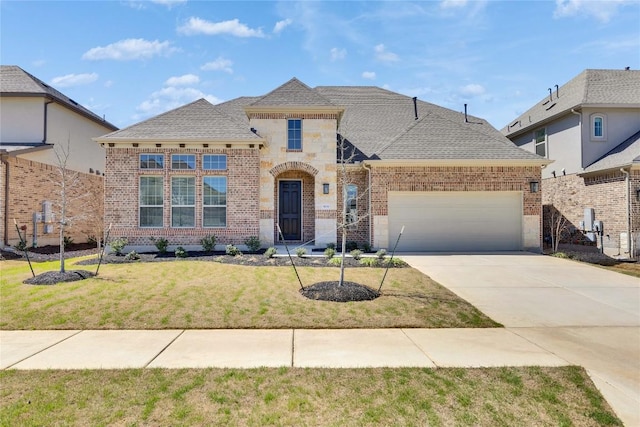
620	124
23	121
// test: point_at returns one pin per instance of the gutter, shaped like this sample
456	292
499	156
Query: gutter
628	200
3	158
368	169
44	127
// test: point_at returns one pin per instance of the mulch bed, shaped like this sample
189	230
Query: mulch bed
53	277
332	291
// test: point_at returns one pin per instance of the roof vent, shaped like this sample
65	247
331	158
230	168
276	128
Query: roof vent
466	119
415	108
627	68
557	91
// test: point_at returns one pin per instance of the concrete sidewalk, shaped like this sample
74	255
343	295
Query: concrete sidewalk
337	348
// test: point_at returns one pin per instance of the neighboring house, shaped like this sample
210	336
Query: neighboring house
243	167
36	121
590	128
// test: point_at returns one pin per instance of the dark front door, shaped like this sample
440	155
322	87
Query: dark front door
290	208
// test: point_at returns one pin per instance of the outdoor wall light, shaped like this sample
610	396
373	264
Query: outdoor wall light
325	188
534	186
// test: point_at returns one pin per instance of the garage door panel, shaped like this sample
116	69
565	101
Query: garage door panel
456	221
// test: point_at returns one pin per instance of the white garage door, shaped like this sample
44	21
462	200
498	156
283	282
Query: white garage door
459	221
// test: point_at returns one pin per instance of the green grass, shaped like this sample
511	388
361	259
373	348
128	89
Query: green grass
200	294
291	396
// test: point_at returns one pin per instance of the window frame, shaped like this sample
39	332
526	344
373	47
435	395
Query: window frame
183	205
543	143
143	206
205	205
148	155
603	127
290	139
187	162
213	164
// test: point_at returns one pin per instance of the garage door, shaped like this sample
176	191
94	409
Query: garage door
462	221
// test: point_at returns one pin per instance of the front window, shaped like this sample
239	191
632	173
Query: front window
151	161
151	201
214	162
294	134
351	202
214	201
540	141
183	201
183	161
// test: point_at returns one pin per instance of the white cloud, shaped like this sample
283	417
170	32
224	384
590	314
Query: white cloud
108	83
385	56
220	64
169	98
70	80
130	49
337	54
472	90
233	27
452	4
601	10
281	25
370	75
169	3
185	80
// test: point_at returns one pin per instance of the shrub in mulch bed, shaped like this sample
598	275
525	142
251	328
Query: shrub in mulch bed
53	277
332	291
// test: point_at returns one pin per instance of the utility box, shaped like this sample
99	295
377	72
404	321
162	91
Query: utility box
589	218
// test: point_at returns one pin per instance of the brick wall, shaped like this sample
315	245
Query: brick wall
359	232
31	183
605	193
122	195
455	178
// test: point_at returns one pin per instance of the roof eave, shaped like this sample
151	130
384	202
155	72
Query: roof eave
542	122
631	166
190	141
294	109
459	162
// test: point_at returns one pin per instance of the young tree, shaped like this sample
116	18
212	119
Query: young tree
68	190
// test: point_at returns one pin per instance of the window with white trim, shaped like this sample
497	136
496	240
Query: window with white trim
151	201
294	134
183	201
214	201
214	162
151	161
183	161
351	202
540	142
598	126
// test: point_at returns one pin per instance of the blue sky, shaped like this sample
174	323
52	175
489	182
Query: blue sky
130	60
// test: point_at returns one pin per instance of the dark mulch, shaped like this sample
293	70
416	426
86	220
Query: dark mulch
53	277
332	291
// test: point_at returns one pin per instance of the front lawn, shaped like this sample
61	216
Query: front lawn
187	294
528	396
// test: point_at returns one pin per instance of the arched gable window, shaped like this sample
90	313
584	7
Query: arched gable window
598	126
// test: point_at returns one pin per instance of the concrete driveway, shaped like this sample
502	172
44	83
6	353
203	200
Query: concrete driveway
584	314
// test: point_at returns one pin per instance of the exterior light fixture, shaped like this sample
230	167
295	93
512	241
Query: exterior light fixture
325	188
534	186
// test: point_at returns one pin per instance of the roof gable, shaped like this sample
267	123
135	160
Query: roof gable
625	154
618	88
199	120
14	81
293	93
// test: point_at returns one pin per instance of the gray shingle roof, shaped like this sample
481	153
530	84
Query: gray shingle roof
14	81
382	125
293	93
591	87
198	120
624	154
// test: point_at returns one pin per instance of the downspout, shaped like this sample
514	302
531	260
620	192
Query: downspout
368	169
628	197
7	175
44	136
580	127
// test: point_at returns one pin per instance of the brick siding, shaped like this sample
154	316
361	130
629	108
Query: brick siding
359	232
31	183
122	195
